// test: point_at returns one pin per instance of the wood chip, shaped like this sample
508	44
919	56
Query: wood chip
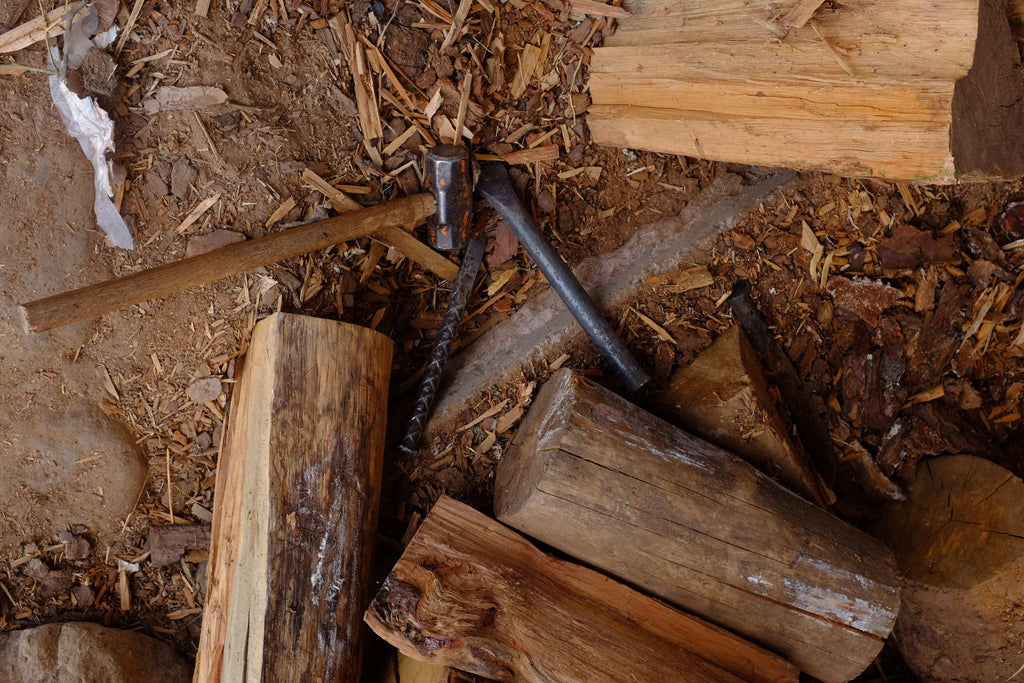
692	278
600	9
49	25
662	333
196	213
529	60
123	591
281	211
461	14
532	156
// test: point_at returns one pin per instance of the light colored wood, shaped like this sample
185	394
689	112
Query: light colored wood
901	89
294	531
723	396
472	594
607	483
104	297
396	237
959	543
44	26
411	670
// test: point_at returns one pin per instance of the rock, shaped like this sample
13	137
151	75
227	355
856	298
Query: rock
82	651
203	390
59	470
214	240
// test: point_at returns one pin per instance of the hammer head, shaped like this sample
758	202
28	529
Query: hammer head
449	177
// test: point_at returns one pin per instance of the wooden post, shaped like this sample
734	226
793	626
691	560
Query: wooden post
959	543
298	485
104	297
472	594
598	478
902	89
723	396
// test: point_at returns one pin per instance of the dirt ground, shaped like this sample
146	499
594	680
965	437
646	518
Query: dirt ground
91	412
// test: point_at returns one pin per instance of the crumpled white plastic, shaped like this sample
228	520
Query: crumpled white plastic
88	123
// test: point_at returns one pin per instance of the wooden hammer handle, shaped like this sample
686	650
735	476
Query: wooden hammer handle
104	297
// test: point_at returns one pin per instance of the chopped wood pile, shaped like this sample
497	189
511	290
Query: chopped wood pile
897	89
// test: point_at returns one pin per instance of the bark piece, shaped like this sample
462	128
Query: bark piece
909	248
863	297
167	544
295	510
600	479
471	593
959	543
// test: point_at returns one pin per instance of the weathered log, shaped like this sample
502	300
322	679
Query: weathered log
472	594
295	509
600	479
959	544
901	89
723	396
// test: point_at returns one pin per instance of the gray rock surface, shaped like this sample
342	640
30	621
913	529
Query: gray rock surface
82	652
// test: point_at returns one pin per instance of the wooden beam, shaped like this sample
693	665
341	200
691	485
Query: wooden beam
472	594
600	479
959	543
901	89
104	297
296	505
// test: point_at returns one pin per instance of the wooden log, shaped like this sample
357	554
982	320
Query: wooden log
296	505
598	478
472	594
901	89
959	543
104	297
723	396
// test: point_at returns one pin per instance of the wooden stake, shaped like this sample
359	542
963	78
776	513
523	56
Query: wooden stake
104	297
472	594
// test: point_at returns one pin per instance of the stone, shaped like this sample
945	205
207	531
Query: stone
59	470
204	390
82	651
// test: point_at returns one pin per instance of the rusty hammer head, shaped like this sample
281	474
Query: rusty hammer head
449	177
